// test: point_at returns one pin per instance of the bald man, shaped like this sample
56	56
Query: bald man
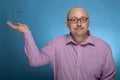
74	56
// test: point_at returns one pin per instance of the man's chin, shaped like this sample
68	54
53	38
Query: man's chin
80	34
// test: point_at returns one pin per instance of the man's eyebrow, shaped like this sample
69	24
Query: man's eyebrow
73	17
77	17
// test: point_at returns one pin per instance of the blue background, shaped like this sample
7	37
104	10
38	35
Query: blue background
46	19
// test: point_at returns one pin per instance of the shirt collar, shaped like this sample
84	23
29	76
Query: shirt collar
89	41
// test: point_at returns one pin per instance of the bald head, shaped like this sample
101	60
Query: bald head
76	11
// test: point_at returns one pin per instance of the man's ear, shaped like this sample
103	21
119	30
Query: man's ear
89	21
67	24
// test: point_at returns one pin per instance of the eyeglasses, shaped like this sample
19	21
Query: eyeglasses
75	20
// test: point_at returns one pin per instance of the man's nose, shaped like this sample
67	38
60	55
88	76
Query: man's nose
78	23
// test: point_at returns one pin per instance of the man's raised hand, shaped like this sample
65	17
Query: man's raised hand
19	27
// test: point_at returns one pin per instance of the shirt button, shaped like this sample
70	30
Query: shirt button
77	65
78	76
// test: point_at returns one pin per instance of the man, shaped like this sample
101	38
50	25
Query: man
75	56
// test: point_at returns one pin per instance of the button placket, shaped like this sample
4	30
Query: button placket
78	53
78	62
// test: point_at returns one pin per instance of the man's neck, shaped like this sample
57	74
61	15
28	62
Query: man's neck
80	39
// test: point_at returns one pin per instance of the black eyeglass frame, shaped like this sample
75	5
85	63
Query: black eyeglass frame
75	18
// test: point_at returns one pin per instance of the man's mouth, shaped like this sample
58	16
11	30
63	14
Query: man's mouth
79	28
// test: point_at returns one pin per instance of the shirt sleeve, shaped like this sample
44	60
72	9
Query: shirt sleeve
109	69
35	56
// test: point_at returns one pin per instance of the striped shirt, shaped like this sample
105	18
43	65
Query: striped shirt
91	60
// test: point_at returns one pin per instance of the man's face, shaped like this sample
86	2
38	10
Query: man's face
78	22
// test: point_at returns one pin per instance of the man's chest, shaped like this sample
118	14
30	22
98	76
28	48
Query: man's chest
78	59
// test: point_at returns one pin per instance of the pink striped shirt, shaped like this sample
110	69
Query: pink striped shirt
91	60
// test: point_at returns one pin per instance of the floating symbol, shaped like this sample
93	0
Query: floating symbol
18	15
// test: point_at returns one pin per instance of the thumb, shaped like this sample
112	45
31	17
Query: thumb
19	24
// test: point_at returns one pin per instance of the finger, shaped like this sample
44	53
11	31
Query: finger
11	25
19	24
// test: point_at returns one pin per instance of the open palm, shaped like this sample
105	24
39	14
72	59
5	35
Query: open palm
19	27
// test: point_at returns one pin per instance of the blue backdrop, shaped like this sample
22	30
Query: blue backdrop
46	19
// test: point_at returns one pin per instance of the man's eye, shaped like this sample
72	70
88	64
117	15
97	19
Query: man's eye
83	19
73	19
